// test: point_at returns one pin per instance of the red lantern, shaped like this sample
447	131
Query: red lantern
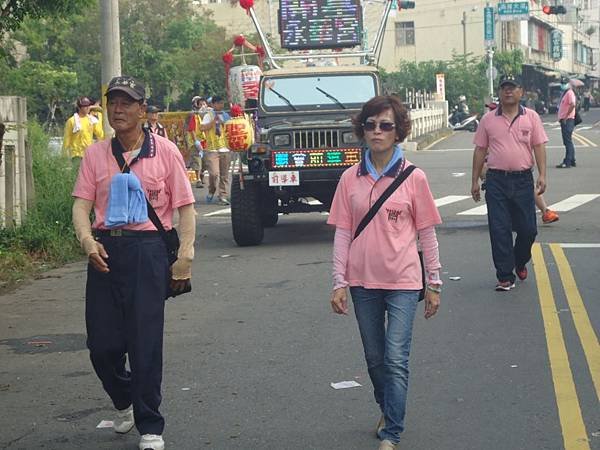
239	133
236	110
228	58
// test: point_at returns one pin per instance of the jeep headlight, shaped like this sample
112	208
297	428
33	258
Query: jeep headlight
281	140
349	137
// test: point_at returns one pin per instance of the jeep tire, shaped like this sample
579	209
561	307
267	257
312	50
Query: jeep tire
246	220
268	214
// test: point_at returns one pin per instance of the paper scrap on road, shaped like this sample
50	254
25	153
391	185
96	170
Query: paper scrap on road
225	256
513	366
106	424
185	389
345	384
458	174
454	278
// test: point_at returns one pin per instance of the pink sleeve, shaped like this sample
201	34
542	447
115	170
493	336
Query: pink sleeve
177	180
341	248
539	135
431	255
85	186
340	214
481	136
425	212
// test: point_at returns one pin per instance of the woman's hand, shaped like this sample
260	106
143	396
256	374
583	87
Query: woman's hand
432	303
339	301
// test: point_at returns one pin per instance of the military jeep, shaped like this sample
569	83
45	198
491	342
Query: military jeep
305	141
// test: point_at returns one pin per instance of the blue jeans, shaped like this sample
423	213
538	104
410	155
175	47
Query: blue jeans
511	207
566	128
387	349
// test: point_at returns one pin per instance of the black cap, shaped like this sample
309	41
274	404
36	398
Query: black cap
129	85
153	109
509	79
564	80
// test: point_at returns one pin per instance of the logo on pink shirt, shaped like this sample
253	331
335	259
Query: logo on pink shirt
153	194
393	214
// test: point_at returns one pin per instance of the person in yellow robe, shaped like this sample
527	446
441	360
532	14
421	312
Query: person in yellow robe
80	130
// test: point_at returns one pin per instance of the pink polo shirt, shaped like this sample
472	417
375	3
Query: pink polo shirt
510	144
567	100
163	177
385	255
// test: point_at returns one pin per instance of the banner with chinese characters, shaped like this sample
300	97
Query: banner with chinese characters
314	158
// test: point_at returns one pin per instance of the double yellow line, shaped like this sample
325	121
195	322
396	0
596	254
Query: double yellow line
573	427
583	140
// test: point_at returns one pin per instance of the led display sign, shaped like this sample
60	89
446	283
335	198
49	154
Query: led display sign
314	158
316	24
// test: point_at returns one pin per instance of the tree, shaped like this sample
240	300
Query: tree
509	62
13	12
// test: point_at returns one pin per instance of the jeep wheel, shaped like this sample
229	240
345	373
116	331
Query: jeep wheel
269	215
245	213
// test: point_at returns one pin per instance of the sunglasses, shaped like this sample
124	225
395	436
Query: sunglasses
383	126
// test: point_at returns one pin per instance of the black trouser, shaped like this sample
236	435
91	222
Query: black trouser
511	207
125	315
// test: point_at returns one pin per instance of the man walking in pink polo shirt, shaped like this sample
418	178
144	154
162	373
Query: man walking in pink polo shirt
510	136
566	117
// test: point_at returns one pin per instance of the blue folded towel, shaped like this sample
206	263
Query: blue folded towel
126	201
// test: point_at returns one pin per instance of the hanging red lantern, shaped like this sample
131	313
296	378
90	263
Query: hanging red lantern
228	58
239	40
236	110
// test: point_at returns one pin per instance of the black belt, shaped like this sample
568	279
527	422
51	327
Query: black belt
125	233
511	172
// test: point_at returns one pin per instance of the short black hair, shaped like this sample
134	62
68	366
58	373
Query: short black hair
217	99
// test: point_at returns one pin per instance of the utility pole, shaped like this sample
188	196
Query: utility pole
111	49
464	25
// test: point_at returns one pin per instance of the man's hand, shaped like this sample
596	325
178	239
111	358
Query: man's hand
339	301
97	258
540	185
432	303
476	191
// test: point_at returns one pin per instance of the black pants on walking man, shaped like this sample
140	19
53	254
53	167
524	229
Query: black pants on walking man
125	316
511	207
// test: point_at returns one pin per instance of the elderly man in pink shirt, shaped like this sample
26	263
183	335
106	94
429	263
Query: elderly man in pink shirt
510	136
566	117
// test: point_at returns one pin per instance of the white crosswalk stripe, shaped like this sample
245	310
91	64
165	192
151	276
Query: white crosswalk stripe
565	205
573	202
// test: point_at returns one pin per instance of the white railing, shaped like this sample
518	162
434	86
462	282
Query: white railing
13	161
431	116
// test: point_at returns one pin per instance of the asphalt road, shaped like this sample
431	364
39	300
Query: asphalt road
251	353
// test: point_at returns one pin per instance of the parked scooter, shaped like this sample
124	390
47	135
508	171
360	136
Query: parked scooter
460	119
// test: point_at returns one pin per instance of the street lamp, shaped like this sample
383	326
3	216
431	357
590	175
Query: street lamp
464	25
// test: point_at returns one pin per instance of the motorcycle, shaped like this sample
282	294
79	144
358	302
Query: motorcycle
462	120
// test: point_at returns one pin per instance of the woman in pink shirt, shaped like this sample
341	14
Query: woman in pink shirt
381	265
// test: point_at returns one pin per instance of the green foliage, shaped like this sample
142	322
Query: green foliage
509	62
46	234
13	12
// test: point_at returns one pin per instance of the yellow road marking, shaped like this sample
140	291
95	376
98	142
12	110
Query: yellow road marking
580	139
569	411
587	142
589	340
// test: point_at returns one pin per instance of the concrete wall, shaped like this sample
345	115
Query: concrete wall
14	163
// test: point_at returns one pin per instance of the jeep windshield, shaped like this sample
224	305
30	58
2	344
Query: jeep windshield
321	92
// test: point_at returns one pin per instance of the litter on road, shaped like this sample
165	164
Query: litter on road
105	424
454	278
345	384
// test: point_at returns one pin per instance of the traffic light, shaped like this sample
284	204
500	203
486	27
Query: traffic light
405	4
560	9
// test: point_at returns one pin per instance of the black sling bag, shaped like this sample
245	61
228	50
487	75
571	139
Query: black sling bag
377	205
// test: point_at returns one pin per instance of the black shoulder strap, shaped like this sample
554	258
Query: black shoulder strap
380	201
151	213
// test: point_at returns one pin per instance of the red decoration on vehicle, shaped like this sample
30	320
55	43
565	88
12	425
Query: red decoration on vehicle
239	40
260	52
227	58
246	4
236	111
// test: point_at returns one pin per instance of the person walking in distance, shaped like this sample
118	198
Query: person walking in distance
566	117
196	138
510	136
378	259
129	268
217	156
80	130
152	124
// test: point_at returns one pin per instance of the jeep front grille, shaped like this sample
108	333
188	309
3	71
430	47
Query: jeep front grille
316	139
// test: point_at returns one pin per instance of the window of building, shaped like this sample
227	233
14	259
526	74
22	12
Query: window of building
405	34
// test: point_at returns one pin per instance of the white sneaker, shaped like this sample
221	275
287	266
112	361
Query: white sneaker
387	445
152	442
124	422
